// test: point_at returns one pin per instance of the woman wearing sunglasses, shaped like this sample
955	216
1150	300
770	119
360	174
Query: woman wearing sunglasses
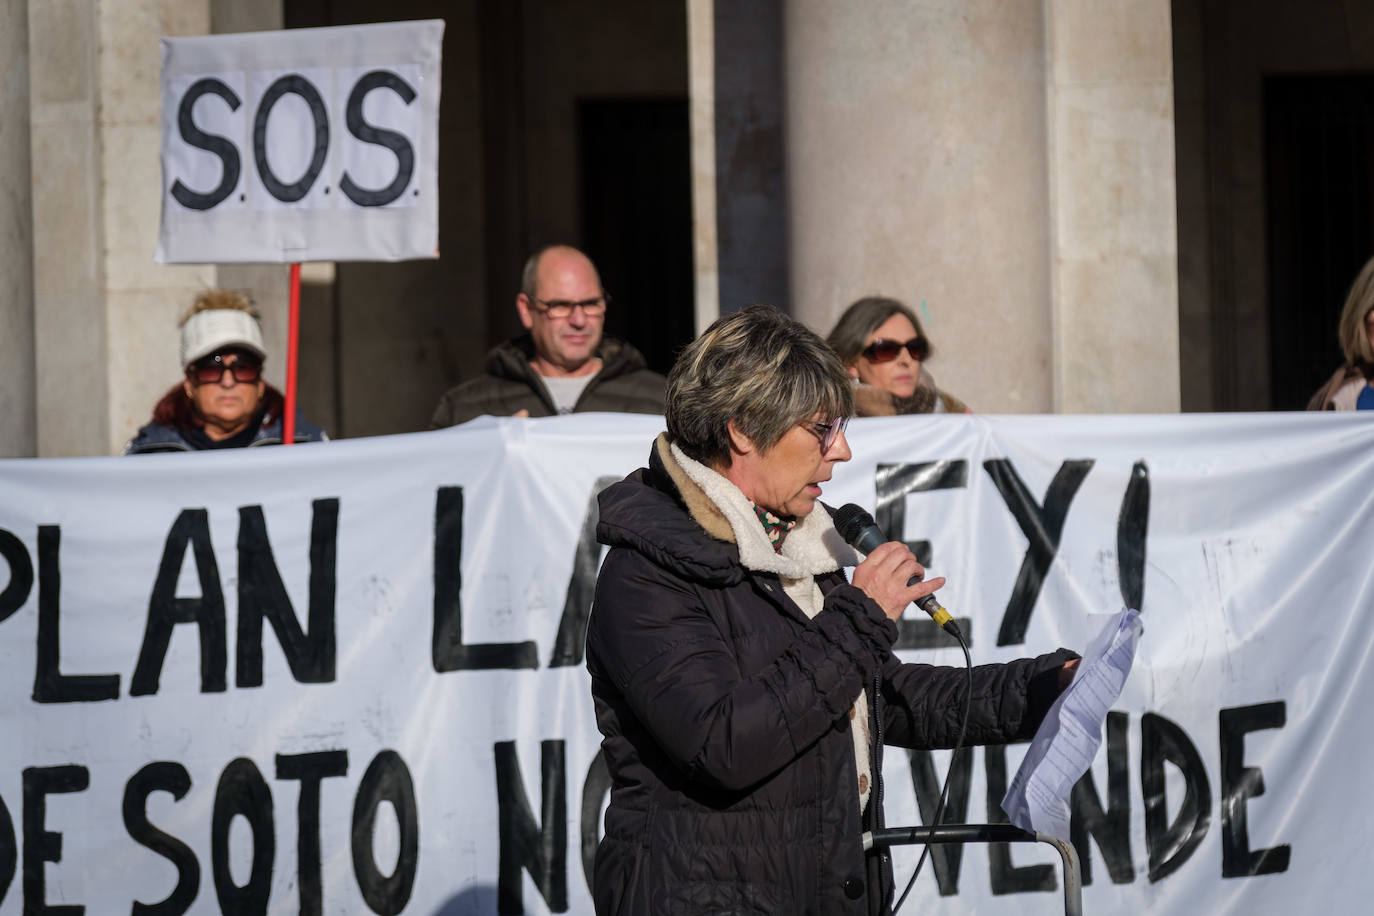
881	344
223	401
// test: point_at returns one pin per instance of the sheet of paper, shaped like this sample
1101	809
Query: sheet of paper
1068	739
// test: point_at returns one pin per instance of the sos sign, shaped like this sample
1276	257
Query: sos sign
313	138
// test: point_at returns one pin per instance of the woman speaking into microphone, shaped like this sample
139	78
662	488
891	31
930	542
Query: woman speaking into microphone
741	683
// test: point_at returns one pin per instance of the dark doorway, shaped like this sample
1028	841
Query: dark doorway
522	150
637	218
1319	146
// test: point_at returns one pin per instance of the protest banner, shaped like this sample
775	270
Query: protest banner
348	677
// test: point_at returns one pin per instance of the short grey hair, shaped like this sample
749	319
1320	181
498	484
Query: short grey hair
1354	335
759	368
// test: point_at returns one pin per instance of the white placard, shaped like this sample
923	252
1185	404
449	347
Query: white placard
301	145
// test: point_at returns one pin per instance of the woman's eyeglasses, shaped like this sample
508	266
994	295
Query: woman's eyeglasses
828	432
885	351
210	370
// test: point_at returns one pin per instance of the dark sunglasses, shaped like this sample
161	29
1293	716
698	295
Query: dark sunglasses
885	351
210	369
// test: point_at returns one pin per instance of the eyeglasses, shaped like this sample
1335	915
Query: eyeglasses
210	370
562	308
885	351
828	433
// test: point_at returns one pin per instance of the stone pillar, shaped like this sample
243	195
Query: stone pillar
105	315
70	347
18	435
701	79
143	300
916	163
1114	242
751	189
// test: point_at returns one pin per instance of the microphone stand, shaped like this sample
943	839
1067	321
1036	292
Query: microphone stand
987	833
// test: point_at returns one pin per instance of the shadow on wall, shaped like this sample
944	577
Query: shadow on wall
477	900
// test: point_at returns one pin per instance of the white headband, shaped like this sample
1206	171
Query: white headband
216	329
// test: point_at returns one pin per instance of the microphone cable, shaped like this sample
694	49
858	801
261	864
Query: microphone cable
949	771
857	528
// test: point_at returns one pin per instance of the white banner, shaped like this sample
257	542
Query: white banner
302	145
347	677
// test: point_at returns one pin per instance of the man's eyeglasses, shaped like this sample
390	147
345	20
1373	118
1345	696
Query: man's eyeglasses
828	432
210	370
885	351
562	308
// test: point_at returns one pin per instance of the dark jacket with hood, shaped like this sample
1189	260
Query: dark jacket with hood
724	712
624	385
157	437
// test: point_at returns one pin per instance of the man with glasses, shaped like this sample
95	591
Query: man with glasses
563	363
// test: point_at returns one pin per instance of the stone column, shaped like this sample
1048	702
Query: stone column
915	138
143	299
105	325
701	62
18	435
70	348
1114	242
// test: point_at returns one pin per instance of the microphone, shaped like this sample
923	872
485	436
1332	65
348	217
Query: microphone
859	531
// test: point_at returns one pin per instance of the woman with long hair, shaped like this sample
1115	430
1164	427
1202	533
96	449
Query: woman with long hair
884	350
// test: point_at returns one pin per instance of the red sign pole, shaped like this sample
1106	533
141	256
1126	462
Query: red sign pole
293	324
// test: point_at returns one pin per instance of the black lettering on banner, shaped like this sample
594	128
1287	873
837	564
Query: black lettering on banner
310	652
1131	527
447	650
1240	783
20	582
368	133
1005	877
1111	828
50	685
1042	527
9	850
162	777
230	164
525	844
1170	845
291	84
893	482
311	770
945	857
572	626
243	792
387	779
594	792
42	845
166	610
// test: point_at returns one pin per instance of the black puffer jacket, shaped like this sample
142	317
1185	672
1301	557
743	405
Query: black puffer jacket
624	385
724	712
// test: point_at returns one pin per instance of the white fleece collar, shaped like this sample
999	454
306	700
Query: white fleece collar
811	548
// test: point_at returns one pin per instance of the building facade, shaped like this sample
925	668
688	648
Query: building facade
1089	206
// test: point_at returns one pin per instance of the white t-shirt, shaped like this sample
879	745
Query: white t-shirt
566	391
